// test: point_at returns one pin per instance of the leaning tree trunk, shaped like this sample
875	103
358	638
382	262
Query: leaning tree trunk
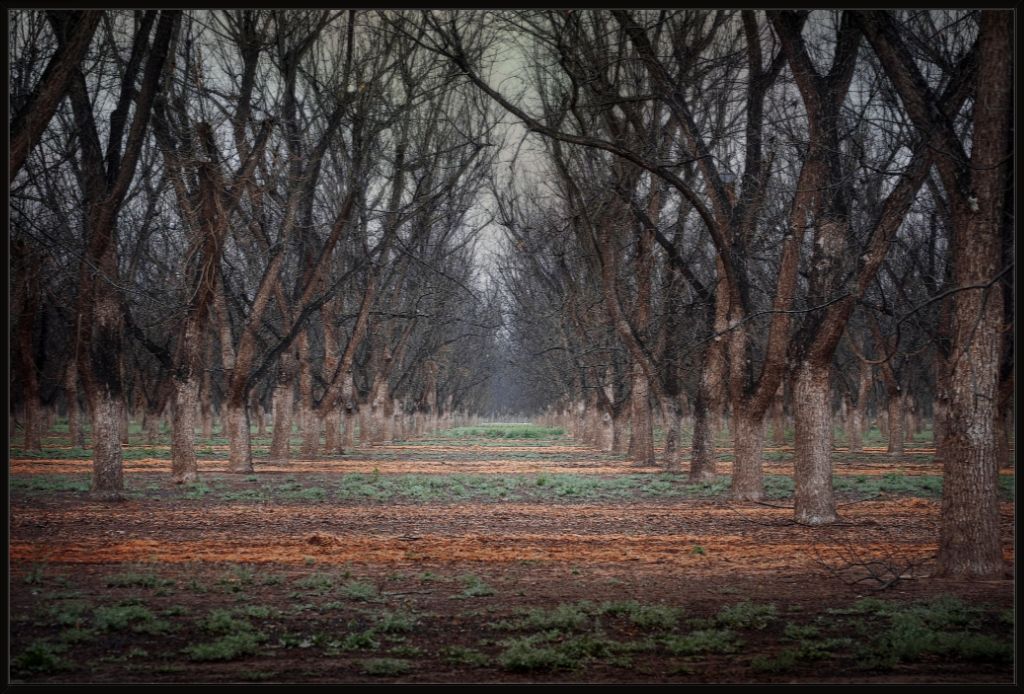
814	500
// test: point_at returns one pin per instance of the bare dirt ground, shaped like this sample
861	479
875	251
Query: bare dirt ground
298	573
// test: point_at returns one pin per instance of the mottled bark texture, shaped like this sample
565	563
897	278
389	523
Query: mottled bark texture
814	501
969	533
183	431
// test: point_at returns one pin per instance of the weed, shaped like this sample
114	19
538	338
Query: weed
564	616
396	623
361	640
475	587
137	580
35	576
41	657
77	635
386	667
227	647
784	661
69	613
644	616
316	582
460	655
133	617
359	590
533	653
407	651
702	641
220	621
746	615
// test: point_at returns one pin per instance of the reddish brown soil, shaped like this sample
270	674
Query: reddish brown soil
701	555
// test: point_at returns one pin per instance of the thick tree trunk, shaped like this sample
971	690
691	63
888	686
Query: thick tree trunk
858	412
236	424
260	415
748	469
107	456
280	442
620	437
183	431
814	500
332	431
641	442
378	412
348	437
702	458
969	535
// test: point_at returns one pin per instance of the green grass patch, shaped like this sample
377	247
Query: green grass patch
227	647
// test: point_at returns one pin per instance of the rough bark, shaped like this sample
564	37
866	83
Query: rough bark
280	444
814	501
236	424
309	419
703	466
748	472
184	468
642	426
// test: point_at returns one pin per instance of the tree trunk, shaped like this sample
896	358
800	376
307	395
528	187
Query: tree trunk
183	431
895	421
778	419
748	438
702	458
107	456
332	432
641	441
76	432
308	419
619	435
673	446
969	534
814	501
280	443
206	406
261	419
348	437
152	424
606	432
236	424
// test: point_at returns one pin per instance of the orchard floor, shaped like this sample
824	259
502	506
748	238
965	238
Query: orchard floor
472	559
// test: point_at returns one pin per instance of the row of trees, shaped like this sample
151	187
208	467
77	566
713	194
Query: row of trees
247	209
726	213
736	202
